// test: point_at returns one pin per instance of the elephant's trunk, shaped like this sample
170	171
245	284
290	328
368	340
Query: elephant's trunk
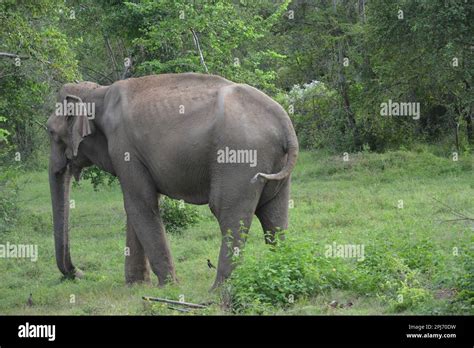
60	183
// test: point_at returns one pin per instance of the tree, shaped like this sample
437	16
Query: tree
36	58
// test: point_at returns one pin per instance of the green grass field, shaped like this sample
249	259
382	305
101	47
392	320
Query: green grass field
347	202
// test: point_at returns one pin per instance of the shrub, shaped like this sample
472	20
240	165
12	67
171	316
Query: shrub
281	275
464	301
391	279
8	199
408	296
177	215
8	185
294	269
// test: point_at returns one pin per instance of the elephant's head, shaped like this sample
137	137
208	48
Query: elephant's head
76	142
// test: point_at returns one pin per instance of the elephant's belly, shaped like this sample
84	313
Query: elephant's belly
189	182
191	199
179	156
191	196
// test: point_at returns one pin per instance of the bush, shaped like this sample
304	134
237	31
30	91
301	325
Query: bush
464	301
8	185
8	198
409	296
289	271
177	215
294	269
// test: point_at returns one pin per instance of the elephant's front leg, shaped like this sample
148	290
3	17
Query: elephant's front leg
141	206
137	268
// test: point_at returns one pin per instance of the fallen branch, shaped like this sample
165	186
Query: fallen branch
12	55
164	300
460	216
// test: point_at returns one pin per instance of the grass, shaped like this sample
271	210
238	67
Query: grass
347	202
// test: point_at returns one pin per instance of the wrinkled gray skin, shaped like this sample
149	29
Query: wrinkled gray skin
174	154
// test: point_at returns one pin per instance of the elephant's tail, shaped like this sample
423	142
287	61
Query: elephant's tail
292	151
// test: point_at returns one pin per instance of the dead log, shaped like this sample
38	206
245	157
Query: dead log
164	300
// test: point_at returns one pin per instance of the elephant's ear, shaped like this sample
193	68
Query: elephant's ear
80	125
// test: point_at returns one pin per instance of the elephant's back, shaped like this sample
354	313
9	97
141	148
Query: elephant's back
169	85
167	98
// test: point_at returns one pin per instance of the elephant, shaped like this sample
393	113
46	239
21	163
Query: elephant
188	136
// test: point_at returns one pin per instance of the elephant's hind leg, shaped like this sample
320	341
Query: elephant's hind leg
273	215
137	267
233	204
234	225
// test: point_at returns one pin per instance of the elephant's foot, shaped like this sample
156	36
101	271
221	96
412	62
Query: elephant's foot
131	280
75	274
215	286
137	266
223	273
138	276
167	277
161	263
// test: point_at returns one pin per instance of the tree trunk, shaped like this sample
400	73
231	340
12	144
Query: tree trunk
344	91
469	118
469	130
